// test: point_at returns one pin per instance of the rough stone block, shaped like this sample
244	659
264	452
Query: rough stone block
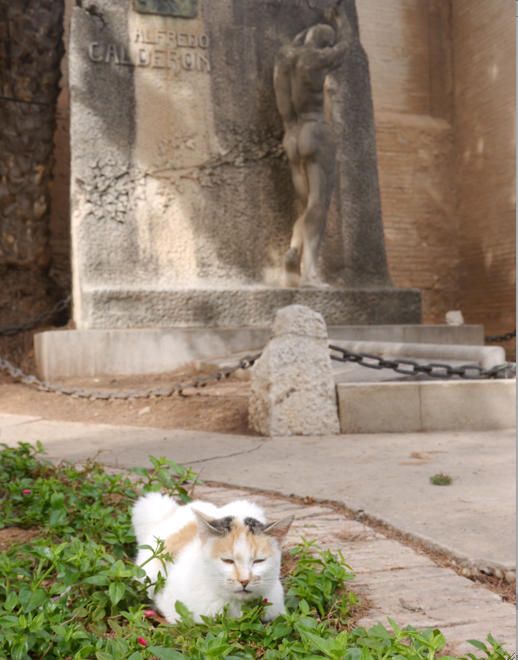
293	391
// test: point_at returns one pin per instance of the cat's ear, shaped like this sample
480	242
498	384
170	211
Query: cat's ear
213	526
280	528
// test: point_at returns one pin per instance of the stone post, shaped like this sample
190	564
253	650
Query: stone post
293	390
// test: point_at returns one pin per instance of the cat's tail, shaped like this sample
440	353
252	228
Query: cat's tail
149	511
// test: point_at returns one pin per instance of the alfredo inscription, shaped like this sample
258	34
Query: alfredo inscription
156	49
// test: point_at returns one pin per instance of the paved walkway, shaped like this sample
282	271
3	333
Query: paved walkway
387	476
399	583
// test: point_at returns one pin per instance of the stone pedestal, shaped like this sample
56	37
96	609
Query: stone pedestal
244	306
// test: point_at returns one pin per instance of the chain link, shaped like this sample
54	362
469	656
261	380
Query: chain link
493	339
412	368
401	366
150	393
9	331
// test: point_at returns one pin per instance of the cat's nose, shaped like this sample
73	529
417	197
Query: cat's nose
244	583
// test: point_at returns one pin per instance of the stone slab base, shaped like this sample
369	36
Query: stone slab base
476	405
144	308
62	354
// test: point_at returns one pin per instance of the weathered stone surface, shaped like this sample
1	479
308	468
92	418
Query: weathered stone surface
163	307
30	50
177	161
293	390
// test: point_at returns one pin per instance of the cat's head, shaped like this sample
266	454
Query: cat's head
243	555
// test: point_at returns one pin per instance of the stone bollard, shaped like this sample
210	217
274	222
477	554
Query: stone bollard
293	389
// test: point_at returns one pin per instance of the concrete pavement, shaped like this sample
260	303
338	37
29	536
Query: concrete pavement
384	475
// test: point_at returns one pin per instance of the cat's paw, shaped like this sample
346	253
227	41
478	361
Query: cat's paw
272	610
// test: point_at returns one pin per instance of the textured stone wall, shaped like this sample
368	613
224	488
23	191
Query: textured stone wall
485	64
30	52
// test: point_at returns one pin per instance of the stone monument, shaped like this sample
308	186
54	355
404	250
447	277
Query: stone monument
182	200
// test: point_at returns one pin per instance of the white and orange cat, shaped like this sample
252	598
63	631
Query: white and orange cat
221	555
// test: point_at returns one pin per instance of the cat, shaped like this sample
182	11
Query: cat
221	555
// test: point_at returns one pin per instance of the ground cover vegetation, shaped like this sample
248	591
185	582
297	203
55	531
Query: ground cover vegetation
72	591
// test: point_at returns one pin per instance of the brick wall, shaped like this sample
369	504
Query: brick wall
409	48
484	120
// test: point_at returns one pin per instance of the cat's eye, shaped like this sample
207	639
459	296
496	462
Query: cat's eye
227	561
258	561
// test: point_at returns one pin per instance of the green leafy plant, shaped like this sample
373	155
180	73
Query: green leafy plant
74	592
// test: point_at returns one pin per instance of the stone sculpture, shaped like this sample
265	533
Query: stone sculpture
300	73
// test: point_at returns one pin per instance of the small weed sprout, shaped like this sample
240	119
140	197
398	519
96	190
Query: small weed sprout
441	479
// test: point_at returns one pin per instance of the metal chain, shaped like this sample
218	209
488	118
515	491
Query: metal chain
493	339
413	368
401	366
155	392
9	331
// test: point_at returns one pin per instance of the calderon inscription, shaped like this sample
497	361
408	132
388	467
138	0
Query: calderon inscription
178	8
150	57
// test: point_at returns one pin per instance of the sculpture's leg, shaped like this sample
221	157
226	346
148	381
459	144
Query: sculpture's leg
319	149
300	184
314	224
292	258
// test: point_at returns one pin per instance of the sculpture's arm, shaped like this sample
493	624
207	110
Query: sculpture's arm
330	58
300	38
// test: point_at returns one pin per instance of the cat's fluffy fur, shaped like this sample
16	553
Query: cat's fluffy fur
221	555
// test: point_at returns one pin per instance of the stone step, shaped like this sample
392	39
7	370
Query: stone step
408	407
62	354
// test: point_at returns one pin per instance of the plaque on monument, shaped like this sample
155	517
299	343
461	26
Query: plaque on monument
183	197
179	8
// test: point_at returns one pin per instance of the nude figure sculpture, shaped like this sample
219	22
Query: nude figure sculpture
300	72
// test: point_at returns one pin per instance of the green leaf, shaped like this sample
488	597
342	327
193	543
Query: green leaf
37	598
11	601
478	645
324	645
304	607
116	591
98	580
164	653
182	610
57	500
